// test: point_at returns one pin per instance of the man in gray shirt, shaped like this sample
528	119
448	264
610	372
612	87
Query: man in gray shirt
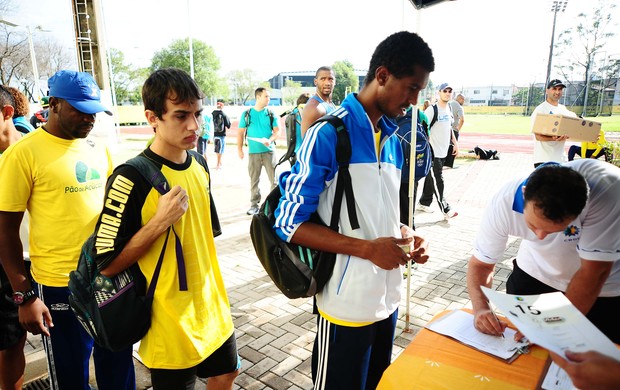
459	118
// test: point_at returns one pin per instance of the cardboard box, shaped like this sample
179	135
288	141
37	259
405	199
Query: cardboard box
577	129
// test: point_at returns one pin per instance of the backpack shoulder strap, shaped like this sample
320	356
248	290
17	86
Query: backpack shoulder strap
152	173
344	184
215	220
435	114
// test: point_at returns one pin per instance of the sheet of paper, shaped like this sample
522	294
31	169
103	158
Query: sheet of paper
261	140
557	379
551	321
459	325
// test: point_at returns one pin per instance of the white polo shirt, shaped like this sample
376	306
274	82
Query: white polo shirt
594	235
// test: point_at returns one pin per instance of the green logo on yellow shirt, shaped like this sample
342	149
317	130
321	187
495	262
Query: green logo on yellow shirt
83	173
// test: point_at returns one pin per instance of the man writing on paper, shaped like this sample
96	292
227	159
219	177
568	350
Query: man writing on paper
568	217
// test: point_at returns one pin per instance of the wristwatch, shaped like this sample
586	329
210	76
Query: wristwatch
21	297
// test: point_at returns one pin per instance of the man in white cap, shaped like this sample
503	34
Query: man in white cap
546	147
59	176
440	134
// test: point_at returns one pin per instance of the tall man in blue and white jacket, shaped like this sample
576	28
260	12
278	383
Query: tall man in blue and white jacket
358	307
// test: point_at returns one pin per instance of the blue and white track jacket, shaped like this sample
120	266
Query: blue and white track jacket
359	292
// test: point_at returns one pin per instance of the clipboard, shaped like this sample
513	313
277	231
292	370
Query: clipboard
459	325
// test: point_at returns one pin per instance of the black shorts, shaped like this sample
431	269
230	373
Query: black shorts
10	329
223	361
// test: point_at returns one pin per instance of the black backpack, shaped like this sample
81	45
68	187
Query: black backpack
290	123
116	311
298	271
220	123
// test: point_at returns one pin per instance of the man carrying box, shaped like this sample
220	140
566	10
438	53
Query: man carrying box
547	147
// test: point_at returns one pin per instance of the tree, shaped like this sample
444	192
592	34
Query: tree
206	63
14	56
578	46
291	92
244	83
127	79
346	80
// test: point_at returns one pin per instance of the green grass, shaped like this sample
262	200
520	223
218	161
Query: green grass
518	124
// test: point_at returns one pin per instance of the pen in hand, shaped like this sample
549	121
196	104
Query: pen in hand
499	323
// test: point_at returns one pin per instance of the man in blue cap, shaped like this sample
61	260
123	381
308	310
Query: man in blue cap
59	176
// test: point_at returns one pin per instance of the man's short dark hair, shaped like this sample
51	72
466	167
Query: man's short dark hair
259	91
323	68
399	53
560	192
170	83
6	98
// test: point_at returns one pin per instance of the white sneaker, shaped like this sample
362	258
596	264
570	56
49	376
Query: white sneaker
450	214
424	209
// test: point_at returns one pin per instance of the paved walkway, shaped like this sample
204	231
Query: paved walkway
275	334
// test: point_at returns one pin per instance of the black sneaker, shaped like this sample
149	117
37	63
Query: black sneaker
252	211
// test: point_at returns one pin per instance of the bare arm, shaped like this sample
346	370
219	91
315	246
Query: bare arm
312	111
384	252
240	136
547	138
481	274
170	208
459	126
586	284
33	312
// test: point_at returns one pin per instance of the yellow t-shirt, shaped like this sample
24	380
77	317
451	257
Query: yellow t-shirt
61	184
187	326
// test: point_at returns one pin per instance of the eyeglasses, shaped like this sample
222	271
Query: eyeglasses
447	91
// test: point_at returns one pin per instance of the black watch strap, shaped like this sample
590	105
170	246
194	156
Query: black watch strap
21	297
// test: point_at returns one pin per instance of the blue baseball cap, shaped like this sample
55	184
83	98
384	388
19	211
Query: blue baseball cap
79	89
443	86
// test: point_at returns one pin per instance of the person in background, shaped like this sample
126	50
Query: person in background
12	334
547	147
589	149
58	175
192	332
22	109
206	133
221	123
456	105
320	103
262	130
358	307
568	219
40	117
440	136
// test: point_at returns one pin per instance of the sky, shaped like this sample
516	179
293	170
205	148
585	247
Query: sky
474	42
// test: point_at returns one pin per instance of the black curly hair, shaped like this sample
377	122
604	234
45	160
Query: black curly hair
399	53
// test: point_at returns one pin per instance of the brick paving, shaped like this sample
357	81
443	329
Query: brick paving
275	334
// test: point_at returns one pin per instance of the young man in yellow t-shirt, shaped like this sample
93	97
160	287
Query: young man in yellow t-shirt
192	333
58	175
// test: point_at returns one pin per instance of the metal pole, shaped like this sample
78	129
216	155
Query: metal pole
191	46
35	70
412	155
555	8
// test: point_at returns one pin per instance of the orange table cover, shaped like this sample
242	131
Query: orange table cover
434	361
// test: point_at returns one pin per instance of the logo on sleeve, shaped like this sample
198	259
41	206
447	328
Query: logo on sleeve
571	233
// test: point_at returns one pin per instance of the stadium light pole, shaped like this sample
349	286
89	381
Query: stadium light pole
557	6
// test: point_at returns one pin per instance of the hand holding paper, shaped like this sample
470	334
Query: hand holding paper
551	321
